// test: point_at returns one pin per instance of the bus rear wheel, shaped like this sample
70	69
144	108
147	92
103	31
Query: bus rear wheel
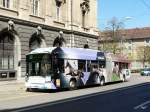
102	81
124	78
72	85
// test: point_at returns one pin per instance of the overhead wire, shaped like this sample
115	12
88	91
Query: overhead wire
145	4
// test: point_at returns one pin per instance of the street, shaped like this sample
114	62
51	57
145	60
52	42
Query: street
131	96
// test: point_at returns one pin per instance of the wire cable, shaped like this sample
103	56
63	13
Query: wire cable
145	4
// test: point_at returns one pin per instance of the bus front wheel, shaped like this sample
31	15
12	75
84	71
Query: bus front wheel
73	85
29	90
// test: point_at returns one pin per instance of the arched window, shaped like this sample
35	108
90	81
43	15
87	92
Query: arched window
36	41
6	50
59	41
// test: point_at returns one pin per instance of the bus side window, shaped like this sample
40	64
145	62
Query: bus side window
94	65
88	66
102	64
82	65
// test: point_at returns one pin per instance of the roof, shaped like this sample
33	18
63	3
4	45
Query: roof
71	53
42	50
136	33
78	53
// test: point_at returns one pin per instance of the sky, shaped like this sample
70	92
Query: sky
137	10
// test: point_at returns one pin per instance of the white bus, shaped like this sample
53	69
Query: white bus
56	68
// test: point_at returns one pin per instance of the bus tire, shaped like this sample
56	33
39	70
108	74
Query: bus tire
72	84
102	81
124	78
29	90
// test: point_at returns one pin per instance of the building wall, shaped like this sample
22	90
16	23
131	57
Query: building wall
26	25
131	49
25	32
21	9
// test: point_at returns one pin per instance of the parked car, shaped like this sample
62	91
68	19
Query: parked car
145	72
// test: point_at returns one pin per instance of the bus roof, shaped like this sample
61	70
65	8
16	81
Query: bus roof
71	53
42	50
118	57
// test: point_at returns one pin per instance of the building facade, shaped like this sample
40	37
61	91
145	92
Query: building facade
132	43
29	24
135	46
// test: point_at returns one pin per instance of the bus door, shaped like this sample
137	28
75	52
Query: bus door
58	70
82	68
109	70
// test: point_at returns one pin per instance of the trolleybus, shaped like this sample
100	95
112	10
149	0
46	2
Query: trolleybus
60	67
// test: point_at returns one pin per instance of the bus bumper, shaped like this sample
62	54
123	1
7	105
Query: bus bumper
43	86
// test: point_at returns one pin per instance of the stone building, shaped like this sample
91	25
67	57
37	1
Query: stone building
132	44
29	24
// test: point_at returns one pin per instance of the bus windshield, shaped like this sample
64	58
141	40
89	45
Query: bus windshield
39	65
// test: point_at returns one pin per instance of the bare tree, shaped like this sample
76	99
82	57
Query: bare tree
143	54
112	36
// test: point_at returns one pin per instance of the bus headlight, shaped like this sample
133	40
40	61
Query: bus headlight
58	82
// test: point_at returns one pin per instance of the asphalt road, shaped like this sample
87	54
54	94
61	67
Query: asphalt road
131	96
130	99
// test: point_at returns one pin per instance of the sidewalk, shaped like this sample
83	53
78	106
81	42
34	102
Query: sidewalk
19	85
12	85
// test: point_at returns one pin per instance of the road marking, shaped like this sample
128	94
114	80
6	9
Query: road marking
76	98
142	105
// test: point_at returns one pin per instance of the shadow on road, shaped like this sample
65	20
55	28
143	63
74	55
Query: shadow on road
115	91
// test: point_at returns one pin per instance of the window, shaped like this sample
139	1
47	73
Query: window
58	9
39	64
35	7
88	66
102	64
82	65
94	65
57	13
10	4
7	53
6	3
